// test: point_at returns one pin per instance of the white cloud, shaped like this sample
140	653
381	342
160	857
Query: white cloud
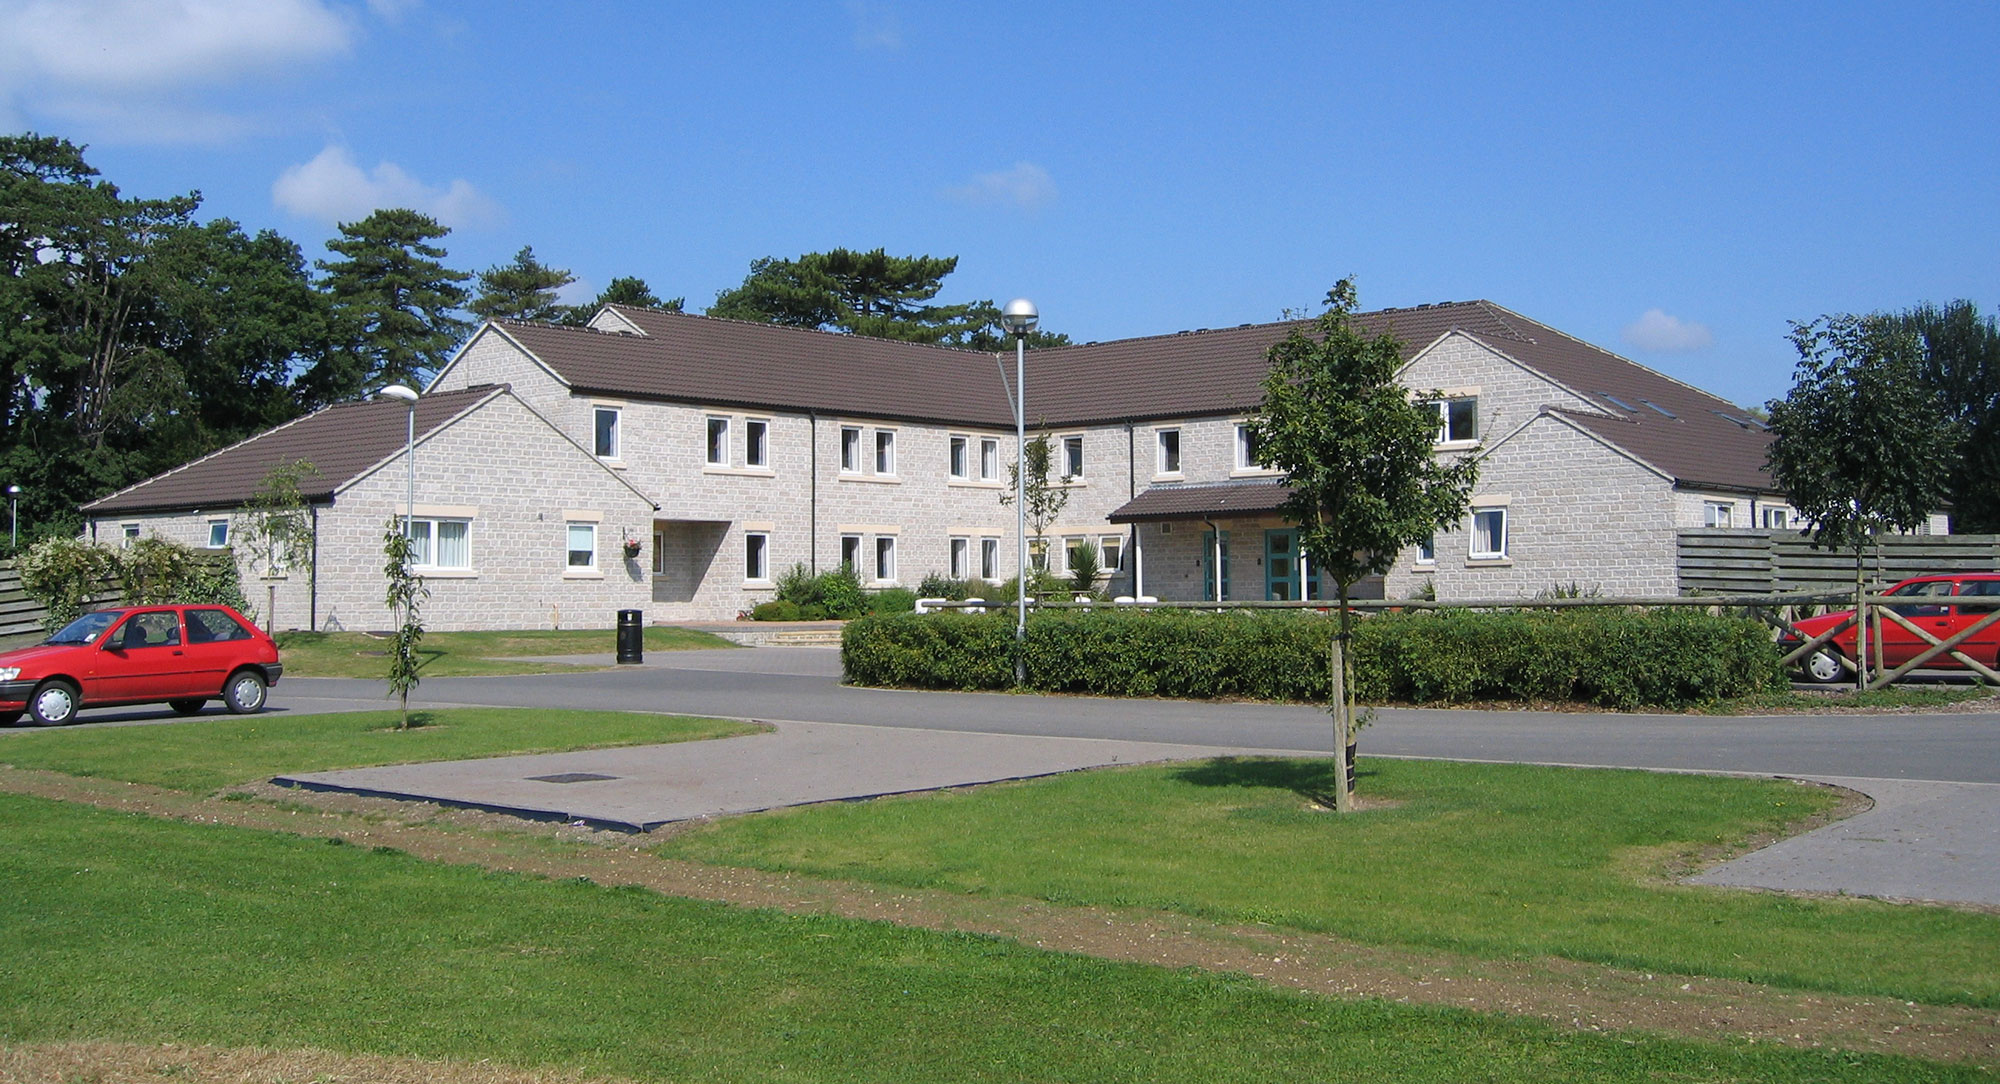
1027	186
875	26
1658	332
332	188
126	66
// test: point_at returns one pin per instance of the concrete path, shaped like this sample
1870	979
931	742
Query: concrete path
641	788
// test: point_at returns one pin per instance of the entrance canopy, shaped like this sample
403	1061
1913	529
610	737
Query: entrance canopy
1200	500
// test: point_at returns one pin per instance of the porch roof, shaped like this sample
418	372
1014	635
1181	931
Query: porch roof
1197	500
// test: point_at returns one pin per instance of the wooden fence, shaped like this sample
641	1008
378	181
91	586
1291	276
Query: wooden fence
21	616
1771	562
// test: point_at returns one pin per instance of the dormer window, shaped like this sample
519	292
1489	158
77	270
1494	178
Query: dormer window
1458	420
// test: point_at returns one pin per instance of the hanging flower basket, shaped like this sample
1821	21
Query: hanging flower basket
632	546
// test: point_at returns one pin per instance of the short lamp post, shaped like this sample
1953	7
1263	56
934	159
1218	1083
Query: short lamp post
1020	318
14	518
409	398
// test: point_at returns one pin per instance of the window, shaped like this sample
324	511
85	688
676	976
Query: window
989	558
885	451
1777	519
1458	420
160	629
659	553
718	442
850	450
961	553
989	459
607	432
1489	533
1111	552
440	543
1170	451
1247	457
218	533
131	534
1072	458
756	443
583	545
756	555
955	460
1718	514
885	558
1427	552
213	627
850	553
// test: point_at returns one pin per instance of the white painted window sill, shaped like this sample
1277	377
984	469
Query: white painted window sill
878	479
447	573
1489	562
1455	445
582	574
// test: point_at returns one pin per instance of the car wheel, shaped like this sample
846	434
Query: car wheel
245	692
54	704
1823	667
186	707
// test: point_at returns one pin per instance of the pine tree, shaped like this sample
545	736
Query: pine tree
523	290
393	306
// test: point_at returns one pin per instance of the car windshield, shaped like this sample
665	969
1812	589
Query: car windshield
85	629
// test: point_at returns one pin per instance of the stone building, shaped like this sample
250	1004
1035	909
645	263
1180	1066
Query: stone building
720	453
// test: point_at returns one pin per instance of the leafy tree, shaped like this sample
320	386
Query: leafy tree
404	597
866	293
1356	451
393	306
1858	445
625	290
1961	361
523	290
275	525
1043	498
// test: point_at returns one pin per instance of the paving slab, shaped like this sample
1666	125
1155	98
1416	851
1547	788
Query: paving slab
639	788
1924	840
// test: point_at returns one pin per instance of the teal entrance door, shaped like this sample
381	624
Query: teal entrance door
1288	576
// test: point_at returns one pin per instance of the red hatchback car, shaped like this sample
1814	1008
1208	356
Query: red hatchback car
182	656
1933	607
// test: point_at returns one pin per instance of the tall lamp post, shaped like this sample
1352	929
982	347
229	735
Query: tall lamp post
14	518
409	398
1020	318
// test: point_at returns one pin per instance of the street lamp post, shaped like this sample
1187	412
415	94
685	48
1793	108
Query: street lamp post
409	398
14	518
1020	318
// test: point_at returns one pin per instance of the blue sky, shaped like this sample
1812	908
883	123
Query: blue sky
1673	182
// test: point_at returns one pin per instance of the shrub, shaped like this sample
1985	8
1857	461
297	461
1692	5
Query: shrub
1620	658
892	600
777	610
817	597
64	573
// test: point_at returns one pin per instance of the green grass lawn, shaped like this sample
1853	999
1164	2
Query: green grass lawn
1489	860
126	927
468	654
203	755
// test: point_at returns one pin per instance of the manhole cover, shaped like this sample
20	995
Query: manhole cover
571	777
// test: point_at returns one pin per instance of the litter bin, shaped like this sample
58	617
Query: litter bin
631	636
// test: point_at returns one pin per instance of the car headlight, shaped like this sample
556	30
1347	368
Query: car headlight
9	673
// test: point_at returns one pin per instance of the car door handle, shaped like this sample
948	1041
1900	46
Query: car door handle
177	651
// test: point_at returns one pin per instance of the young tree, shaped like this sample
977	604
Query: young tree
406	592
522	290
393	306
274	527
1355	447
1961	361
1043	497
1858	444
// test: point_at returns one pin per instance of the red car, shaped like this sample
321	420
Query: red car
182	656
1932	608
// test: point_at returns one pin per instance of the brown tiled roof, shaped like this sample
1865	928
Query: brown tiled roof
1698	449
1197	499
342	441
704	359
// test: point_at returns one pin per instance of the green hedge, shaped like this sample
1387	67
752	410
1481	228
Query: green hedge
1612	658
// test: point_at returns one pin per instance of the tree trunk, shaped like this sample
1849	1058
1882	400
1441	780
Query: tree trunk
1860	630
1343	799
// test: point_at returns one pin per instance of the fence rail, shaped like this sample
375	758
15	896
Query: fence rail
1767	562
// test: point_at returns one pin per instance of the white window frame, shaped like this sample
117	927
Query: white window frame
957	456
716	431
958	556
128	534
989	459
1245	460
989	559
659	552
598	444
850	449
1427	552
757	443
1473	550
1444	410
885	558
1725	511
885	452
570	551
218	534
1161	466
1106	546
850	552
1778	512
424	534
757	556
1070	447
